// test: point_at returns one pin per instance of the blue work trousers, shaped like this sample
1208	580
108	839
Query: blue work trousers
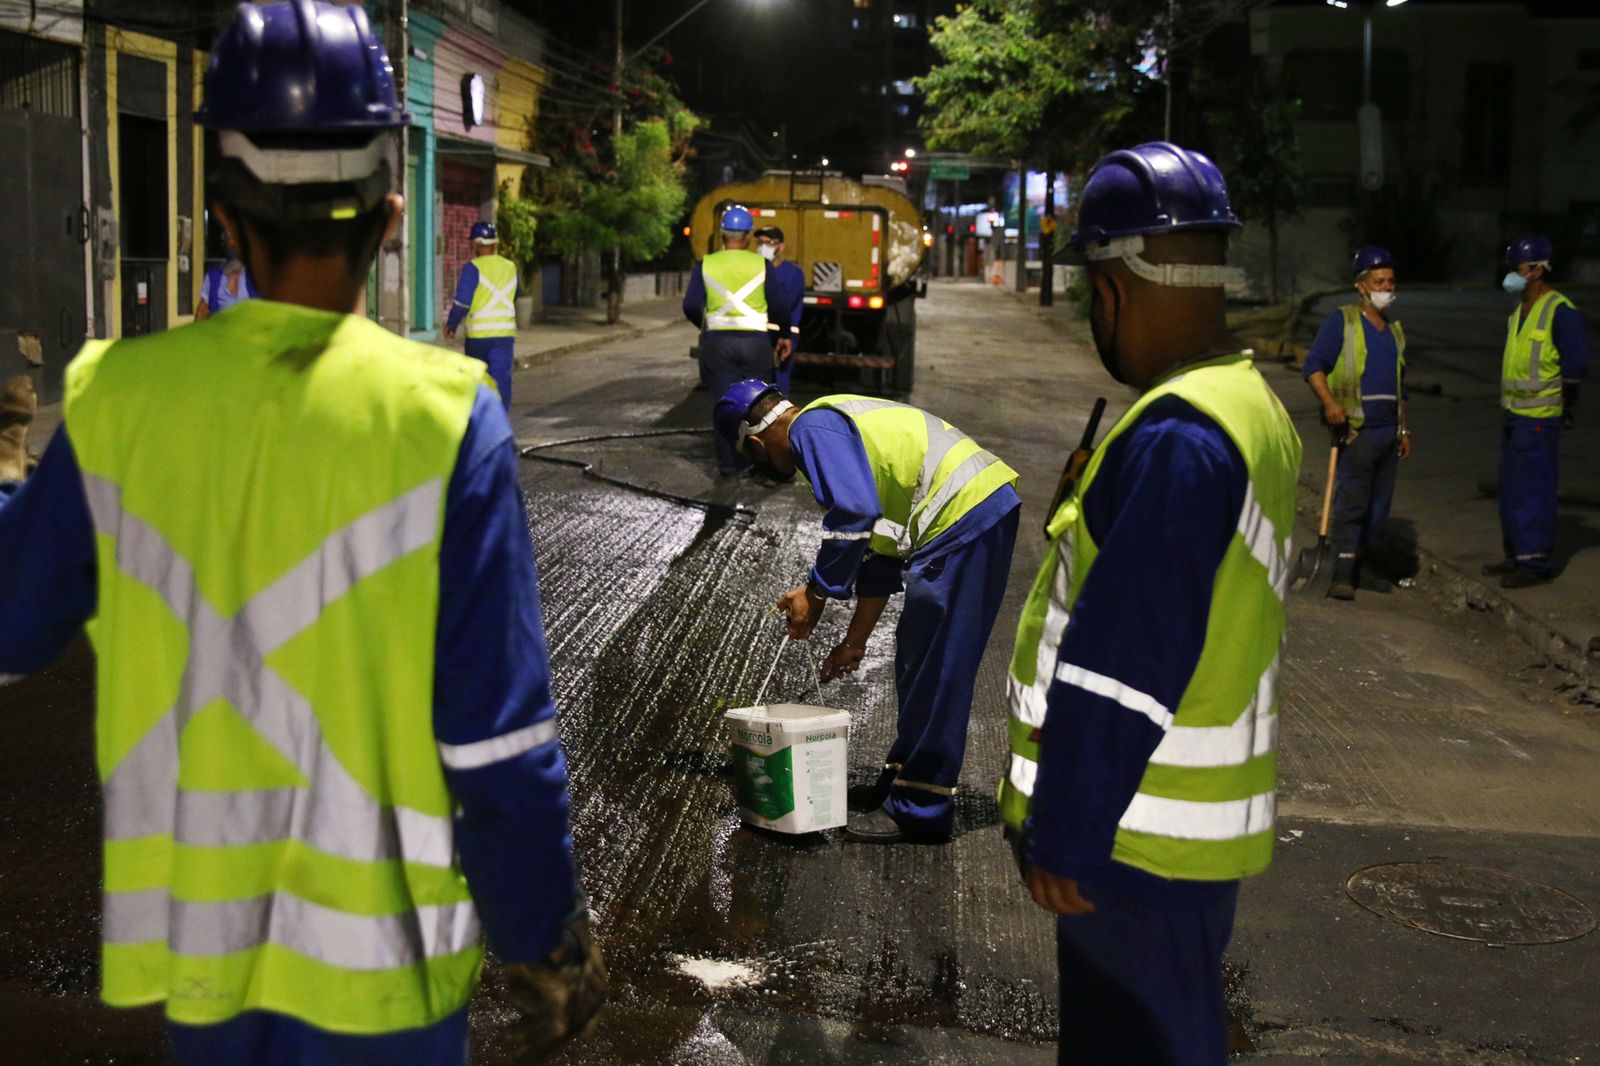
497	352
1530	450
950	607
1142	983
265	1038
727	356
1363	493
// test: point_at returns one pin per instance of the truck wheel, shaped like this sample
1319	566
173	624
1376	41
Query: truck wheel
905	347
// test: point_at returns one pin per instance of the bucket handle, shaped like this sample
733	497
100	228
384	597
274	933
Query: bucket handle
816	674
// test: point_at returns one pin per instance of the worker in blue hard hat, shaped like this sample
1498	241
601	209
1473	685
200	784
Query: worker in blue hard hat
293	531
1546	358
486	295
224	285
911	503
1356	368
1140	788
732	298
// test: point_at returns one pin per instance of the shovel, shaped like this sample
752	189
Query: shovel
1309	564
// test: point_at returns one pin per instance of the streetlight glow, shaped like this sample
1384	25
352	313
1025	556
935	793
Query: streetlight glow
1394	3
824	160
911	153
1338	3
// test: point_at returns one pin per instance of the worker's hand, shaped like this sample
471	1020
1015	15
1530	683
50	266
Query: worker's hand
558	998
1569	420
782	350
804	609
1404	446
449	334
1334	414
1058	895
843	659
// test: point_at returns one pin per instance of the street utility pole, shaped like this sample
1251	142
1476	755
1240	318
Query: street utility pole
1022	226
614	293
1047	242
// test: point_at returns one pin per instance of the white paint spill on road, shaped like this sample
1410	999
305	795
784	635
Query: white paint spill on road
718	973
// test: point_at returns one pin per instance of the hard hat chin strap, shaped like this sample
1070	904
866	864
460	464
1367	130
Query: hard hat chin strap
1171	275
746	430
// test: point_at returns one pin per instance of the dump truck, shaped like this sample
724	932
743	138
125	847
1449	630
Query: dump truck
862	247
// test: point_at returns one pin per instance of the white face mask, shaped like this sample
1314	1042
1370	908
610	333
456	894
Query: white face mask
768	251
1381	300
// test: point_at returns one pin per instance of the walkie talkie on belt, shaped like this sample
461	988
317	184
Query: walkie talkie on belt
1075	463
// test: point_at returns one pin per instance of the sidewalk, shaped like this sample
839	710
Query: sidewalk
565	329
1445	495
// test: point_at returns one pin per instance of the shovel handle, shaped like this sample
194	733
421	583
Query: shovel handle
1327	491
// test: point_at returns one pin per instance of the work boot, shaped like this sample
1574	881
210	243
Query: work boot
1523	579
1342	588
18	402
869	797
1500	569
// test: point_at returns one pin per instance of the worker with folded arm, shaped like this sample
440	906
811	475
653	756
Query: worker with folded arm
1356	369
1143	687
735	300
911	503
325	730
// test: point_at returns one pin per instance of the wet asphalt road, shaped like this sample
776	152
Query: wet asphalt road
1402	728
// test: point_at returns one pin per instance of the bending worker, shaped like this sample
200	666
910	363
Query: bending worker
486	299
1144	682
224	286
789	281
314	801
1546	358
733	299
907	495
1356	367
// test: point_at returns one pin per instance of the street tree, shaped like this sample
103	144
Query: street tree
629	194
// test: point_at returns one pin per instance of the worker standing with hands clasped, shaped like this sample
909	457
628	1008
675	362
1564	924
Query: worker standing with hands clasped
486	295
789	281
906	493
321	782
1356	367
1546	358
1144	683
733	299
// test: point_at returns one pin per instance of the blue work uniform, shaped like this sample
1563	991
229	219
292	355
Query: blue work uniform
729	356
1141	976
1364	490
954	586
789	284
510	826
497	352
220	294
1530	455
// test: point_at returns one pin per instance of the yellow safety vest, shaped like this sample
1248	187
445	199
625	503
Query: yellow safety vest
1530	375
928	473
1205	807
736	292
267	489
1344	381
494	311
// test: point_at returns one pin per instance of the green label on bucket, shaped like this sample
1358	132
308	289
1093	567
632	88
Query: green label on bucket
764	784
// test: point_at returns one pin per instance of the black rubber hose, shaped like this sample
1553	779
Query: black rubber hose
737	511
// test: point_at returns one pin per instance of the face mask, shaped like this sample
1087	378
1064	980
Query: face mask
768	252
1514	283
1381	300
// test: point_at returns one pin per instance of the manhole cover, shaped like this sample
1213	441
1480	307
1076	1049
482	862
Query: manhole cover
1470	903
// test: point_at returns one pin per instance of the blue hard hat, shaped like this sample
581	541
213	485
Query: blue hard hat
300	66
484	232
1155	188
1371	257
737	219
1529	248
734	404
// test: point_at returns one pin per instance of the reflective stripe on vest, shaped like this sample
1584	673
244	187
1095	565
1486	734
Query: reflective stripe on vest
1205	806
952	474
1344	380
493	312
736	296
1530	374
278	831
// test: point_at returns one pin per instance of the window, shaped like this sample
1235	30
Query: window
905	22
38	76
904	88
1486	124
862	5
1327	82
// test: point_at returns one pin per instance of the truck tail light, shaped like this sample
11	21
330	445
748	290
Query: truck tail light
855	302
876	303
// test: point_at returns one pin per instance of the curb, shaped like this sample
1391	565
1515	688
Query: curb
524	362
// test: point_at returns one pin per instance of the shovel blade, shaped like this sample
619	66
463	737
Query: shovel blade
1308	566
